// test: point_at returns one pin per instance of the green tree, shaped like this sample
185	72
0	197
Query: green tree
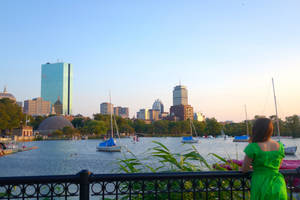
78	122
139	126
185	127
174	128
97	127
293	124
58	133
36	121
69	131
161	127
11	115
200	127
4	118
213	127
284	131
236	129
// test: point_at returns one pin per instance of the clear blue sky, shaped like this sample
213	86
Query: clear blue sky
225	52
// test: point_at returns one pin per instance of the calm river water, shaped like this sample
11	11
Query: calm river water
70	156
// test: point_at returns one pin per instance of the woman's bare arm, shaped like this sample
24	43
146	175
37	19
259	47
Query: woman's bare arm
247	164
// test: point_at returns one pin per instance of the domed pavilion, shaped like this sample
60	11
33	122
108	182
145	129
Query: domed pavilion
51	124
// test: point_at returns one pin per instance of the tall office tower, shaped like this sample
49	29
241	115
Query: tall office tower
158	105
57	82
180	109
180	95
37	107
106	108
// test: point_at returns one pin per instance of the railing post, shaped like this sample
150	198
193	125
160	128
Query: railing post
84	192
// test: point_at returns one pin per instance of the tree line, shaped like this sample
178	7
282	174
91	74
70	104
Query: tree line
100	125
11	117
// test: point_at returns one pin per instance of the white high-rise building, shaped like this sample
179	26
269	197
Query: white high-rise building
180	95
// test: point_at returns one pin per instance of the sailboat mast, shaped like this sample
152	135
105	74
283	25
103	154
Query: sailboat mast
111	110
191	127
246	120
277	121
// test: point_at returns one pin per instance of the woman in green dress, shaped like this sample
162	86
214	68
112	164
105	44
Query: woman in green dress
264	156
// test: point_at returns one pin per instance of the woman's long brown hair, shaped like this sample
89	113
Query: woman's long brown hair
262	130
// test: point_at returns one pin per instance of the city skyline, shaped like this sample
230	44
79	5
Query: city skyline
225	53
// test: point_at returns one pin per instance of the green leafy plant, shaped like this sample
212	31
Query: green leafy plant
188	161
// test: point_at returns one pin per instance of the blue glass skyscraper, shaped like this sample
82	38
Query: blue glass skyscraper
57	83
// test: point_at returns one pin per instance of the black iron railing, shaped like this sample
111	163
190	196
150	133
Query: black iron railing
185	185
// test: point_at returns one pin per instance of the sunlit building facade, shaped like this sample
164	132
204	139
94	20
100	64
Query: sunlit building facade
182	112
37	107
199	117
106	108
57	83
143	114
121	111
154	114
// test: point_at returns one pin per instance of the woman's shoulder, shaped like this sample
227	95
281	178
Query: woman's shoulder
251	149
278	144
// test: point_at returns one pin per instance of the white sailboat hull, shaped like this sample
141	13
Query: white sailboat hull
109	149
290	150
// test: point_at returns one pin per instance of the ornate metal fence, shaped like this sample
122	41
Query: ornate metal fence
185	185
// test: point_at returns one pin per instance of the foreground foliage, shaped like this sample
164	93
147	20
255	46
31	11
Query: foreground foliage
163	160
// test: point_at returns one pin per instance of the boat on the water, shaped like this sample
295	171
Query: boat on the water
290	150
243	138
189	139
12	147
110	145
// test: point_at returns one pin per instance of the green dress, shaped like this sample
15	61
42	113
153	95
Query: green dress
266	182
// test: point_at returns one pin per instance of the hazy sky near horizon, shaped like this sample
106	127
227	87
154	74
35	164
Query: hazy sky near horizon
225	52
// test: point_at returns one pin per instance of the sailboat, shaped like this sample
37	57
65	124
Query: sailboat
190	139
287	150
243	138
110	145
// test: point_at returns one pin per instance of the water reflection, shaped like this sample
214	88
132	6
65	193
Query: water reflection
69	157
